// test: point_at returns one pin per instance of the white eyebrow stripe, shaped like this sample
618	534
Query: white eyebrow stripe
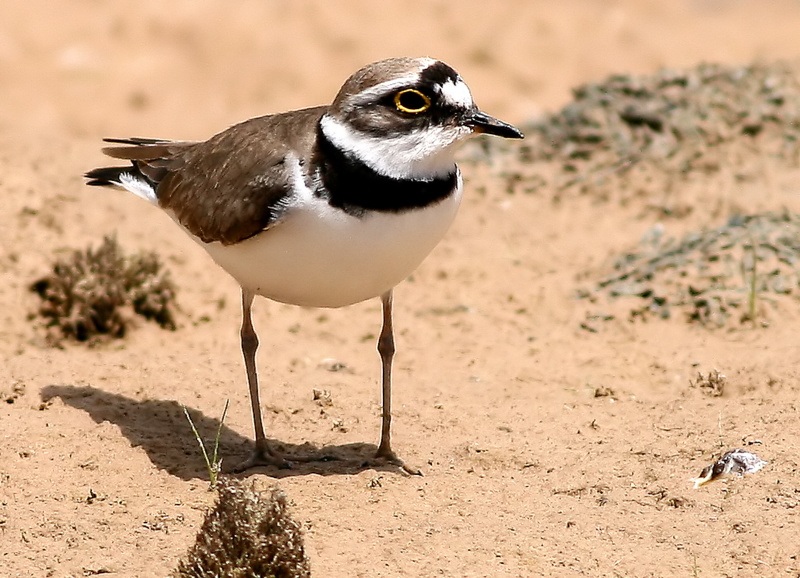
371	94
457	94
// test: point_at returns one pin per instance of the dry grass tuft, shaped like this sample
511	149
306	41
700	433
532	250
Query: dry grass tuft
247	534
98	292
712	384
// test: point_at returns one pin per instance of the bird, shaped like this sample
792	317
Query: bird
323	207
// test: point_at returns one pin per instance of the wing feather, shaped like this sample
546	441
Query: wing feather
228	188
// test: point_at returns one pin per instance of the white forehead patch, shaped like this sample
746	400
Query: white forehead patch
456	93
425	62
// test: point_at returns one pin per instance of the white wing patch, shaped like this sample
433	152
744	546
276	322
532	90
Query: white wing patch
138	187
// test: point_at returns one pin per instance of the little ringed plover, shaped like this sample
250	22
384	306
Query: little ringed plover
320	207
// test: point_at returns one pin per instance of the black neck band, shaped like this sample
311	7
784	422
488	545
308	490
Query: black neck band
352	186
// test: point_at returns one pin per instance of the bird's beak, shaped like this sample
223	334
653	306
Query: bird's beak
480	122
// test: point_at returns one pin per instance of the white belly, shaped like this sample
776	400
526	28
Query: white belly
318	256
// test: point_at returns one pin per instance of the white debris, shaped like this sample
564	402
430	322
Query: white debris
736	462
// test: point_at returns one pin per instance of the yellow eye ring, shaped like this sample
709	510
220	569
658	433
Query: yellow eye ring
412	101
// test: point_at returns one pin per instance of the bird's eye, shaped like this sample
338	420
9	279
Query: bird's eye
412	101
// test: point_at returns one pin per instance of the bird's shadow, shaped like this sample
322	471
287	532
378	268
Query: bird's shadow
161	429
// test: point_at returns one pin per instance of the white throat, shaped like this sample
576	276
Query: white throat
418	155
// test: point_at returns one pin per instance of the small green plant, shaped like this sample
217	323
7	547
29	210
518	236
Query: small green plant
213	464
751	278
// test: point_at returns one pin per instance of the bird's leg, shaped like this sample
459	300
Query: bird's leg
386	350
262	455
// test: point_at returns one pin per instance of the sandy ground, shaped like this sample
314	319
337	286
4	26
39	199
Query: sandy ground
547	450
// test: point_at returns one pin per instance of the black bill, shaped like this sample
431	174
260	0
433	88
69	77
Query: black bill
483	123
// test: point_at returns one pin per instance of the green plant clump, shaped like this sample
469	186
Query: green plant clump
717	277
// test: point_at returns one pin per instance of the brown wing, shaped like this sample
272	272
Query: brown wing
232	186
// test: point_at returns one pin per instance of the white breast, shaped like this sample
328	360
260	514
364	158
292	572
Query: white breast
319	256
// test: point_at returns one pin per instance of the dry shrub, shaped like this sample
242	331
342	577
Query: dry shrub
98	292
247	534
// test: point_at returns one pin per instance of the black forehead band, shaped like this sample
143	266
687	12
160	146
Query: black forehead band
437	74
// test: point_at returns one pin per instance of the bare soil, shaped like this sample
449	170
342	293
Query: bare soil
557	415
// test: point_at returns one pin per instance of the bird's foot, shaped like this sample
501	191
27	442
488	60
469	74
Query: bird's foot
262	457
265	457
385	456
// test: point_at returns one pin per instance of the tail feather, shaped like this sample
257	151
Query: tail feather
151	160
129	178
106	176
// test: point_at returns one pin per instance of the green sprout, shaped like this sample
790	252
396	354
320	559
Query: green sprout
214	464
